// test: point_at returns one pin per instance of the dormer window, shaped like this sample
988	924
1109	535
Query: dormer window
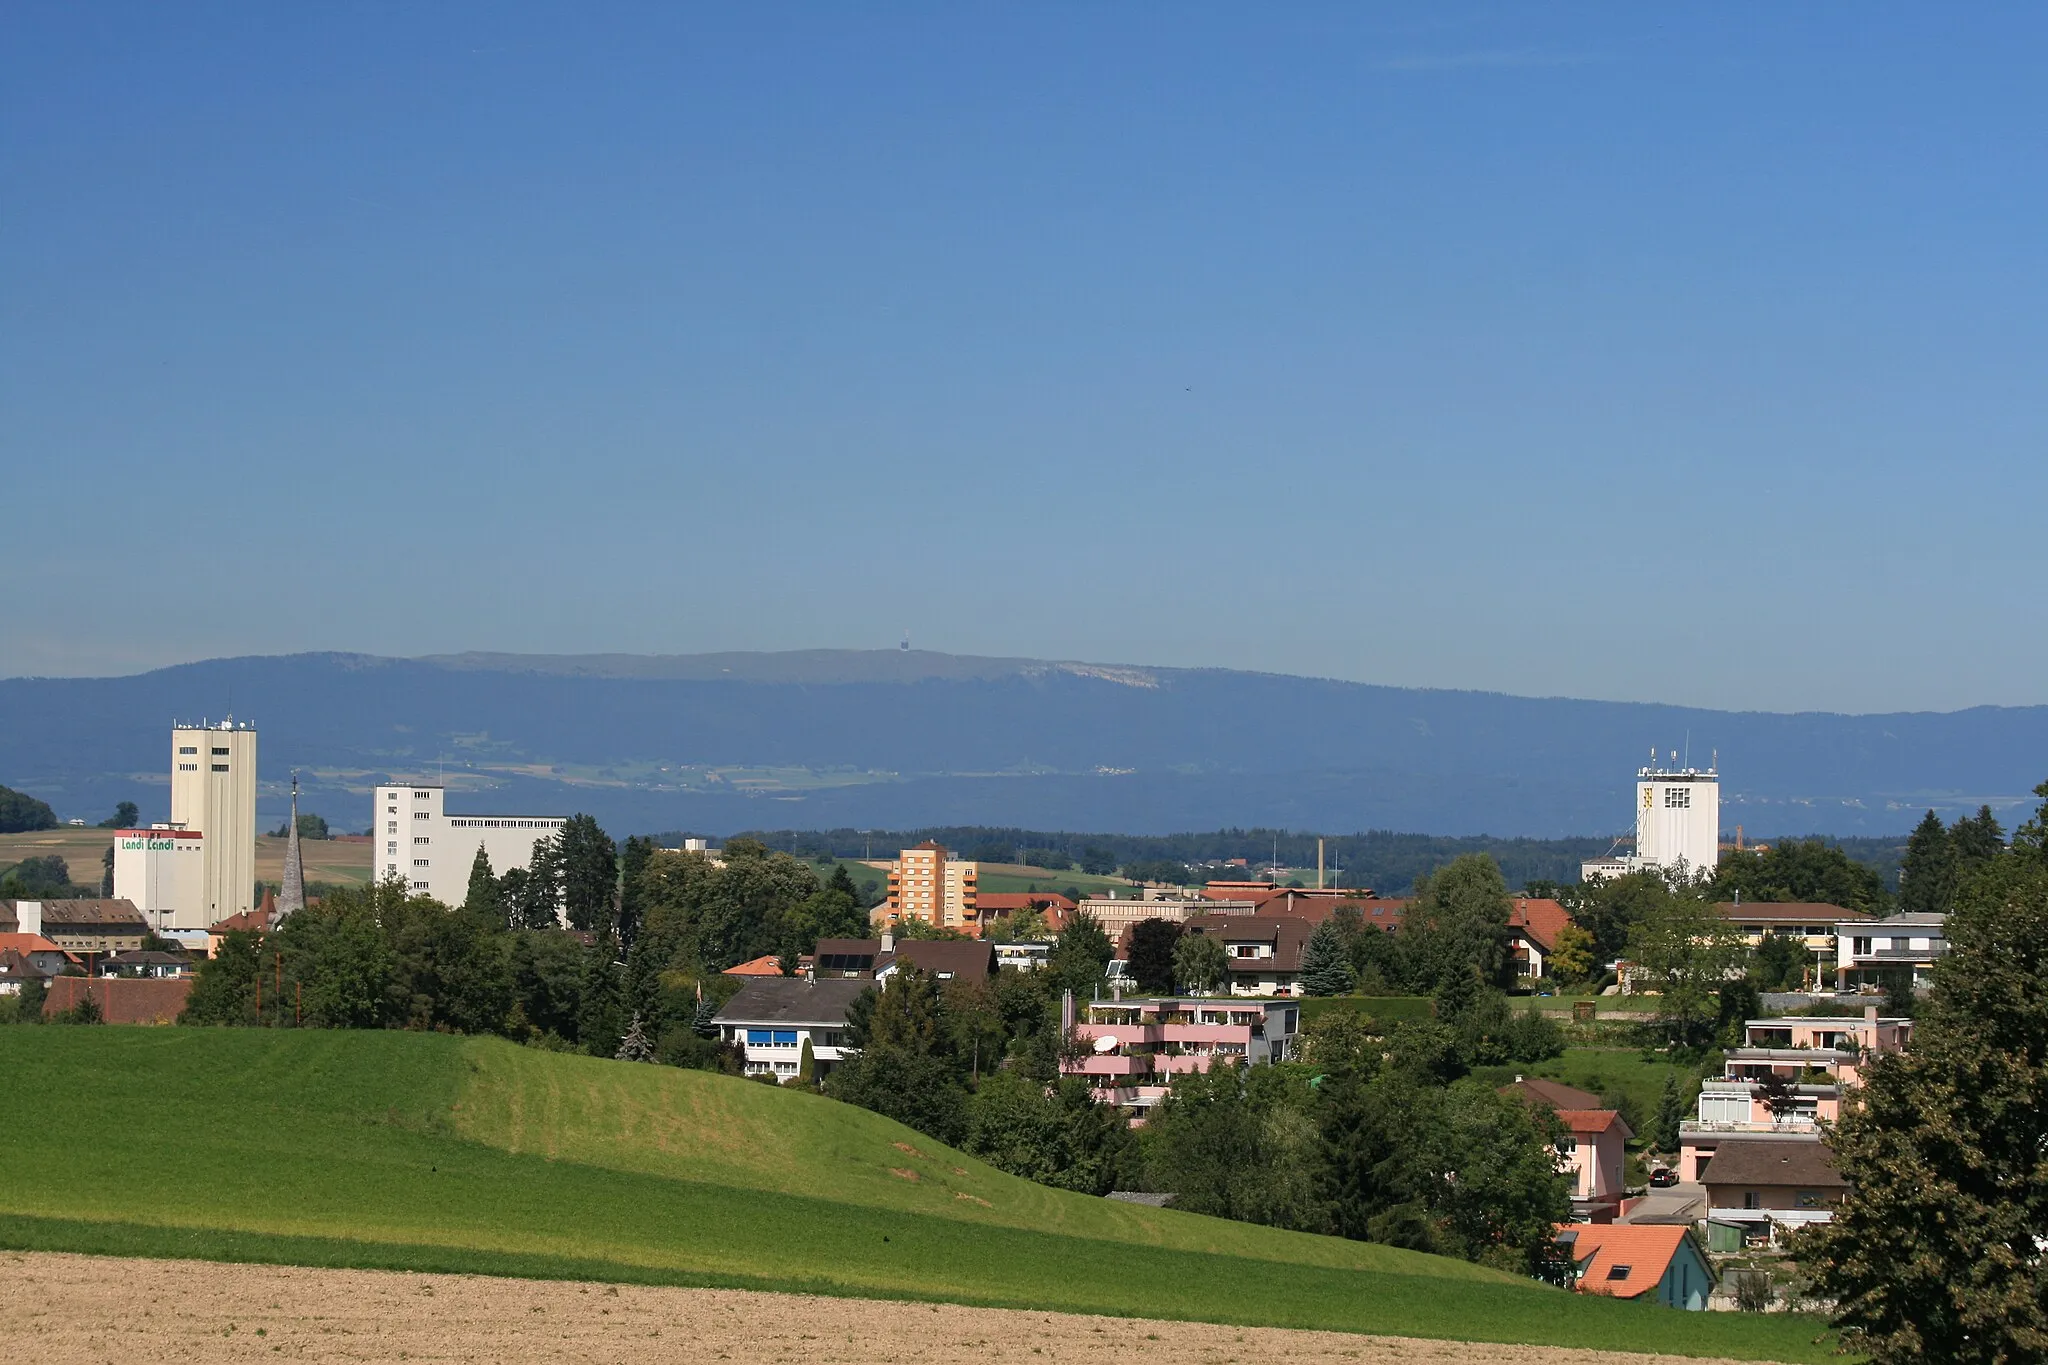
1619	1272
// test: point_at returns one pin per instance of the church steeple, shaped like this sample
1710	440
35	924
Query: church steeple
293	897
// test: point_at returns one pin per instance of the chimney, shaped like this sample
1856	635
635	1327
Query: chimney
1870	1014
888	941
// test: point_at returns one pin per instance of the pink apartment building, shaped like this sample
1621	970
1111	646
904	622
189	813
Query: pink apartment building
1816	1056
1137	1047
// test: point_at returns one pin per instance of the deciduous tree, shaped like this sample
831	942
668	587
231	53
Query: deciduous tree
1151	960
1935	1251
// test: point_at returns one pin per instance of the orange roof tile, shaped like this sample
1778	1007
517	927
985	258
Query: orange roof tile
1644	1249
1593	1121
768	965
27	943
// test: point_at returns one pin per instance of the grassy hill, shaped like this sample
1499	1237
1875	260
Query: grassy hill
452	1154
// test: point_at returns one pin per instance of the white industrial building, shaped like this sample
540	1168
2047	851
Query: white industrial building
162	870
418	841
1678	823
199	868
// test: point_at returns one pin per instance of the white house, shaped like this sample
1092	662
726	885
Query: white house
773	1017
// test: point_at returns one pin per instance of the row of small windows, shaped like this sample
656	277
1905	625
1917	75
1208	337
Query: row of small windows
1678	798
505	824
189	749
220	767
188	767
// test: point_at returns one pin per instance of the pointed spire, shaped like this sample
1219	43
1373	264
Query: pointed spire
294	894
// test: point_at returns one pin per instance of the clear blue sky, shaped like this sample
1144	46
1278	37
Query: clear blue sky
1639	352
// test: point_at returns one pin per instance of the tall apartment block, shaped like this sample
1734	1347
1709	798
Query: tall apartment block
928	883
213	792
420	843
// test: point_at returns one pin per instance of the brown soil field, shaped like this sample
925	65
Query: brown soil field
89	1310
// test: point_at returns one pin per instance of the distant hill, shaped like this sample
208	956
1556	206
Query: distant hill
820	739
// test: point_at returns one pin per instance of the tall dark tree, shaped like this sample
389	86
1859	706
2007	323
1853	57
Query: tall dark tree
485	897
1934	1252
633	862
126	813
1366	1174
1927	876
1976	840
590	876
1151	960
531	897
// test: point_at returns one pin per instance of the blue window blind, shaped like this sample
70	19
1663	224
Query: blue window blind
761	1037
785	1037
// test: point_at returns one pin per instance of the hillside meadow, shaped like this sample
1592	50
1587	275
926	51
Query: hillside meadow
432	1152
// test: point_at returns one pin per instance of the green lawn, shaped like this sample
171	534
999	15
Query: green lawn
431	1152
1386	1008
1605	1069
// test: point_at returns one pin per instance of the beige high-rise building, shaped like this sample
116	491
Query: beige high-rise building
213	791
928	883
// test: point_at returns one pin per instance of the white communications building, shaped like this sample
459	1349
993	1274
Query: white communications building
1678	823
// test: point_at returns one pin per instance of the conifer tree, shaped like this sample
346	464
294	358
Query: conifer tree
1670	1113
590	875
1976	840
484	898
634	1047
1927	877
1325	966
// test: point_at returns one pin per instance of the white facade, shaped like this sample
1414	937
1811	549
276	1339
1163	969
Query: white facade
163	871
432	851
1678	819
213	791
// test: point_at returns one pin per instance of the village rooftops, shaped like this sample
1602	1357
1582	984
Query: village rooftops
947	959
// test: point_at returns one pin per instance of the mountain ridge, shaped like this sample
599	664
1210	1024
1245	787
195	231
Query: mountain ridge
898	738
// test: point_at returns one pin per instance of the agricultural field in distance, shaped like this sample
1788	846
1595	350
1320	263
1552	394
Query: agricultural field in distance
342	862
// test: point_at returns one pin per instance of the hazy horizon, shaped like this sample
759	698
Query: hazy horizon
496	658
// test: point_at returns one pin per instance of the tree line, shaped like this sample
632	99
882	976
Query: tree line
563	953
1390	863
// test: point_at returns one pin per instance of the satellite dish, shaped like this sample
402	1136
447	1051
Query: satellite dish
1105	1044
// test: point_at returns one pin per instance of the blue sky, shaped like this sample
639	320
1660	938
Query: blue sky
1673	354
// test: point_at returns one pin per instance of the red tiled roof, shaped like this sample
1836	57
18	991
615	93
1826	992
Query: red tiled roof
1541	920
1593	1121
1645	1249
767	965
246	920
27	943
